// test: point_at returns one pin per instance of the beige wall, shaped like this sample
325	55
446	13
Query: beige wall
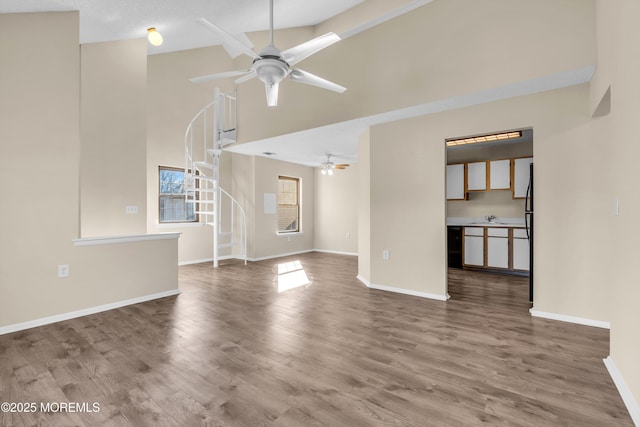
539	44
408	207
499	203
619	67
360	14
254	176
113	135
336	211
40	83
266	242
570	199
364	206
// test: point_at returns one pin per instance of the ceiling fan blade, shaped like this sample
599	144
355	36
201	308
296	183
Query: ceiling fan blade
217	76
272	94
252	74
227	38
305	77
306	49
342	166
233	51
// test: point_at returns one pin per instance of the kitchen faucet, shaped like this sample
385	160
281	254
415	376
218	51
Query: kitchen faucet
490	218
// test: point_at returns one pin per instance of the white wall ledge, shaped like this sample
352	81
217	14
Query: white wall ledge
111	240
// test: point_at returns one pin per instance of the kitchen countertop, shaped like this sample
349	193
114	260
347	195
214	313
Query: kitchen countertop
482	222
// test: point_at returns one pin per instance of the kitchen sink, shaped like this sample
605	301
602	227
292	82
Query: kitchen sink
489	223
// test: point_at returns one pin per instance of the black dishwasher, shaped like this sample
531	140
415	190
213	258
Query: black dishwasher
454	245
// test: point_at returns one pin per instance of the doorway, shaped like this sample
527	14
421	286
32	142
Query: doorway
486	198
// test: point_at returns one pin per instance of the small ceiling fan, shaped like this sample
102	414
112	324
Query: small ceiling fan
271	65
329	166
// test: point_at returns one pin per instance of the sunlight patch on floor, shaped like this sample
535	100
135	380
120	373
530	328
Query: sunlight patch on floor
291	275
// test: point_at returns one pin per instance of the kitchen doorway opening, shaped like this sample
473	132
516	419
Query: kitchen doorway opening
489	218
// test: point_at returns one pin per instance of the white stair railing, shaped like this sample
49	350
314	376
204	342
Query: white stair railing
207	134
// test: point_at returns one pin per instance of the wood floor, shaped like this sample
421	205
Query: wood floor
232	350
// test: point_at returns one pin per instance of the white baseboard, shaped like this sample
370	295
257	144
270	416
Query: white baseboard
335	252
195	261
306	251
84	312
403	291
363	280
199	261
570	319
627	397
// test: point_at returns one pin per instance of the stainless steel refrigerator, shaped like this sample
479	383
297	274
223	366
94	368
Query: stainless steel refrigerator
528	220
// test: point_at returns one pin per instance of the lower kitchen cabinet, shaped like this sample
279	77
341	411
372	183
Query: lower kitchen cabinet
498	247
503	248
520	249
473	246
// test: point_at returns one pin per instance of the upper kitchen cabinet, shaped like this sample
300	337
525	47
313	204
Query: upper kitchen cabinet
520	171
477	176
500	174
455	182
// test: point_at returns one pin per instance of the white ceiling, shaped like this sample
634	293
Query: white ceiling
109	20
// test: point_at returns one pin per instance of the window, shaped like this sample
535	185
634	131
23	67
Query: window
288	204
173	206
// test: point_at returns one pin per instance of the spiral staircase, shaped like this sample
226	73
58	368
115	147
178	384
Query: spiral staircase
213	128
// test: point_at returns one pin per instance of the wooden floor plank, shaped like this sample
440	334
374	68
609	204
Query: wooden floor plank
231	350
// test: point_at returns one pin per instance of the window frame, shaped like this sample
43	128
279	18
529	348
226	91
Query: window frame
160	194
298	182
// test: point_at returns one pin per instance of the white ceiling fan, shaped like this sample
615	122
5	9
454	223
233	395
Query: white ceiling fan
271	65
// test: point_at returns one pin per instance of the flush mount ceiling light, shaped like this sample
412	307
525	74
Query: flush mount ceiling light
484	138
154	37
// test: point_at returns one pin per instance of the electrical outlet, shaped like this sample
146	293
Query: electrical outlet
385	255
132	209
348	235
616	207
63	270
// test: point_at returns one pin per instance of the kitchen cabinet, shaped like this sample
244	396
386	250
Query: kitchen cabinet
455	182
474	246
520	169
477	176
520	249
497	247
500	174
504	248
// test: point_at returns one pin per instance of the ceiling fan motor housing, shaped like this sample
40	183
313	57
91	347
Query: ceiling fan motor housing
271	69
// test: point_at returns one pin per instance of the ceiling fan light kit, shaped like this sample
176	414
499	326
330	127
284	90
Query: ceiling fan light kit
271	66
328	166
